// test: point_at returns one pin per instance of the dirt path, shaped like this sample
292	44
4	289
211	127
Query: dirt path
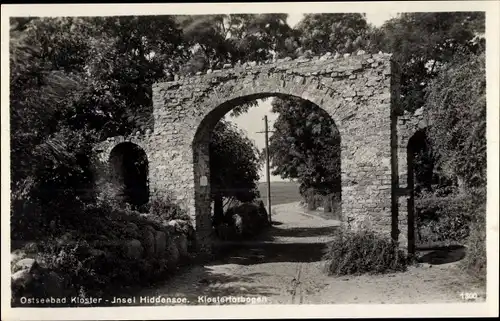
284	267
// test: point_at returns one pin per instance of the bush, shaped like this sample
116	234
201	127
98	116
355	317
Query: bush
71	260
26	220
445	219
167	210
313	199
359	252
474	262
243	221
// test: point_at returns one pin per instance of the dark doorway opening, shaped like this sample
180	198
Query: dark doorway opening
129	170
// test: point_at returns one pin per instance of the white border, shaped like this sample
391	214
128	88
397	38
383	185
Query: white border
489	308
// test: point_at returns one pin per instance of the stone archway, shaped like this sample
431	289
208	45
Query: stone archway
357	93
360	93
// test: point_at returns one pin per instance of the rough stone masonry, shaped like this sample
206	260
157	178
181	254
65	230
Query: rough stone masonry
359	92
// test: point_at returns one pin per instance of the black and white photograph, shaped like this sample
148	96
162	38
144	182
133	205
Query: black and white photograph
249	157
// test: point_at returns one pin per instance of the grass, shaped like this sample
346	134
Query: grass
281	192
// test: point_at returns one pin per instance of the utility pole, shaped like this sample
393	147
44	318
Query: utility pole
268	170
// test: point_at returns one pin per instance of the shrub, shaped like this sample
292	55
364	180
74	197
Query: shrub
359	252
313	199
167	210
251	219
474	262
26	220
445	219
70	259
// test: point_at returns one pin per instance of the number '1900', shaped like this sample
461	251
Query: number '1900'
468	295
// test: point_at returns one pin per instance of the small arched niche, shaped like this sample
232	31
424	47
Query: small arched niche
129	174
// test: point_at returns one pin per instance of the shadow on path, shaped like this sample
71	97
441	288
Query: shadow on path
272	246
259	253
302	231
442	254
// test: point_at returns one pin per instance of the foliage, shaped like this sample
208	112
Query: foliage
167	210
474	262
69	259
128	54
451	218
243	221
219	39
89	270
42	95
444	219
456	105
234	163
215	40
75	81
359	252
422	42
333	32
90	254
305	145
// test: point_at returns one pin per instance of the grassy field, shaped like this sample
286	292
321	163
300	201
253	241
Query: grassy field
281	192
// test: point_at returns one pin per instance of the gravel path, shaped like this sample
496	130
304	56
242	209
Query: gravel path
284	267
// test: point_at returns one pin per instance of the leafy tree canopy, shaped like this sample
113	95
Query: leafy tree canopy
234	162
422	42
305	145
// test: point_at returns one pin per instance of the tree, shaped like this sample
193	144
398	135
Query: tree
47	155
207	36
261	37
305	146
422	42
75	81
333	32
456	105
128	55
215	40
234	166
220	39
43	80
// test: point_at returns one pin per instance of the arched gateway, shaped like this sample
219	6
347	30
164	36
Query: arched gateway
358	92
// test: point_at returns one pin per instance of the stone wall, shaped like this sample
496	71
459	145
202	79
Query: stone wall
360	93
143	240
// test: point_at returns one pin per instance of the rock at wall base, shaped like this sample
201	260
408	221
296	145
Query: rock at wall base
133	249
24	264
182	245
21	279
148	240
160	244
172	255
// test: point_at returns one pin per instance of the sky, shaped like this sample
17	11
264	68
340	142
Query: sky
252	122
